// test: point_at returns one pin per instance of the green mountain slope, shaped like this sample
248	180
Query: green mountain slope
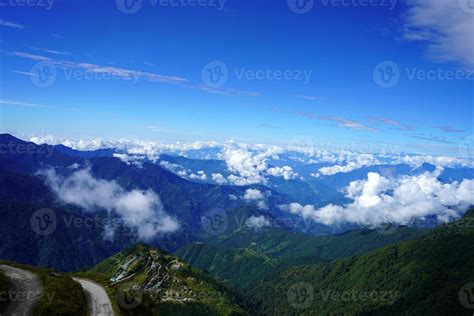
148	281
60	295
244	257
5	286
423	276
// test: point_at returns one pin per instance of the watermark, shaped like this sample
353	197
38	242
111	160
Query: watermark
45	74
359	296
129	298
300	6
305	6
216	74
301	295
26	148
306	143
46	4
390	4
44	222
467	6
215	221
387	74
23	296
466	295
133	6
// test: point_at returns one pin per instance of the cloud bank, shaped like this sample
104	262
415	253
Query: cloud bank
378	200
139	210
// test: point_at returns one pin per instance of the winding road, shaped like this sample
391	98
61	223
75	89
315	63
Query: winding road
27	288
97	298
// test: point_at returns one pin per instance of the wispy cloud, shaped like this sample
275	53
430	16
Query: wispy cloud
25	73
225	91
431	138
51	51
11	24
115	71
127	73
348	123
393	123
444	26
308	115
307	97
449	129
34	105
56	35
271	126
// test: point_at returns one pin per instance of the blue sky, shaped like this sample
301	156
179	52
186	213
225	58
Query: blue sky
158	55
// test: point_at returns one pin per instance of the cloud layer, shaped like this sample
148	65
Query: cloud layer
139	210
444	26
378	200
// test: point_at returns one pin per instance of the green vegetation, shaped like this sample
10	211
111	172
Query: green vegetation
161	284
5	286
244	257
415	277
61	295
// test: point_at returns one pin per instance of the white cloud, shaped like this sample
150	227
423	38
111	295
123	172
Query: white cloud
139	210
438	161
11	24
285	172
257	222
256	196
361	160
444	26
199	176
253	194
379	200
249	164
348	123
219	178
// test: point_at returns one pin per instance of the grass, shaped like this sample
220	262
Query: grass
61	295
5	286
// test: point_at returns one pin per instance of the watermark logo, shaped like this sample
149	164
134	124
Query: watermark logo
47	4
43	222
301	295
300	6
43	74
215	221
390	4
386	74
133	6
466	295
129	6
215	74
127	297
467	6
